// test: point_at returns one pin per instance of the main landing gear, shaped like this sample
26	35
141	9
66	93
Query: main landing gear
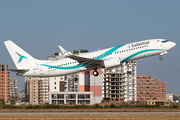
95	72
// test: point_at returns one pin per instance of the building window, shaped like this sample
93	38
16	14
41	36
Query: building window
54	87
55	83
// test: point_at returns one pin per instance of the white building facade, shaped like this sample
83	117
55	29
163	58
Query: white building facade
120	83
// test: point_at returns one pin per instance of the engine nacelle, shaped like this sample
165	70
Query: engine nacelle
108	63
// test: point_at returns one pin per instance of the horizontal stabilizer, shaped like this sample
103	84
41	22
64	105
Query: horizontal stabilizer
18	70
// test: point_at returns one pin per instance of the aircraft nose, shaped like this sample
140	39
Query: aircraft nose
173	44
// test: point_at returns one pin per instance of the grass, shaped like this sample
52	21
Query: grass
96	107
92	117
92	110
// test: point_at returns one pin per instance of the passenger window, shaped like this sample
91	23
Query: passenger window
164	41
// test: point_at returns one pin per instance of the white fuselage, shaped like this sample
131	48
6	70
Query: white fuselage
127	52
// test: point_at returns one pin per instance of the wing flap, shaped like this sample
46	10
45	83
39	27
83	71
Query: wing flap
18	70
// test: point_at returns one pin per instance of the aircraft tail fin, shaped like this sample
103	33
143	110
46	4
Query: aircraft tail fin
21	59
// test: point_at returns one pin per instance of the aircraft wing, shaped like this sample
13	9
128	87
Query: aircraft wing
88	62
18	70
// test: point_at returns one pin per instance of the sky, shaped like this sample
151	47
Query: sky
39	26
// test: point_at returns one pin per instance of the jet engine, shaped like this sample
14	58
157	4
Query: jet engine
108	63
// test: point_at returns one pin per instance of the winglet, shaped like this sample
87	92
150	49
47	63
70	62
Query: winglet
64	52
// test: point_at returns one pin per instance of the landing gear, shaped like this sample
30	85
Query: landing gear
161	58
95	73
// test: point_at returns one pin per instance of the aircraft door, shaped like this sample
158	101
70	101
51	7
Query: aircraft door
41	71
155	44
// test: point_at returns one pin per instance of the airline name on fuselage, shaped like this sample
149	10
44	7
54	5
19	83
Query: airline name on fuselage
138	44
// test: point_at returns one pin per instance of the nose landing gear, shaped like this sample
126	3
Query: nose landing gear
160	58
160	55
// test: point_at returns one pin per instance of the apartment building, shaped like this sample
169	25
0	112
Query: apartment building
119	83
13	88
170	97
4	83
70	89
105	85
37	90
149	88
96	86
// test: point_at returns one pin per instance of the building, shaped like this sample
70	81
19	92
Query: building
57	84
70	89
96	84
36	90
13	88
73	88
120	83
169	97
21	96
31	90
4	83
71	98
116	84
149	88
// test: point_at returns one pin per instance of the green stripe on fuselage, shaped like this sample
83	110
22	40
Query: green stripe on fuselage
107	53
63	68
140	52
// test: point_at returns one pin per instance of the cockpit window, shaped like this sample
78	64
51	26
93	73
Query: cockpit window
164	41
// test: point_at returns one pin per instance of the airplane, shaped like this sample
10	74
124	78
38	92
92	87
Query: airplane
105	58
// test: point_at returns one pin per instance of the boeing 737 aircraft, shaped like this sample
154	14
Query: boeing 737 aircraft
106	58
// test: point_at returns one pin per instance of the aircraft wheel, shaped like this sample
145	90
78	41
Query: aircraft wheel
95	73
161	58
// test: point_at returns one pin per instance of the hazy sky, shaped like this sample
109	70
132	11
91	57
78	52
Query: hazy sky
39	26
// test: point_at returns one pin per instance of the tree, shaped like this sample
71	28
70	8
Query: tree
154	99
2	101
13	100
